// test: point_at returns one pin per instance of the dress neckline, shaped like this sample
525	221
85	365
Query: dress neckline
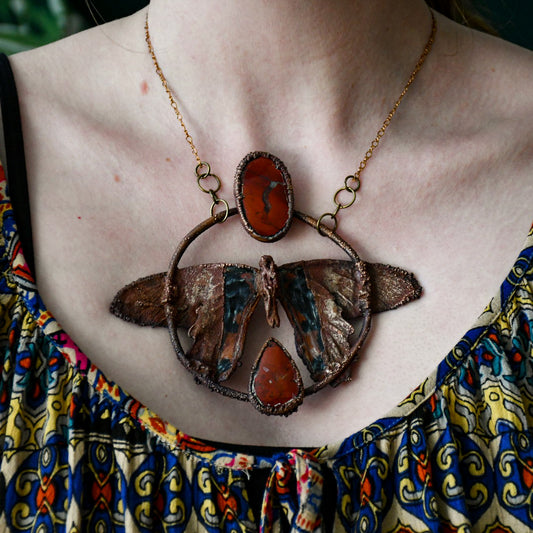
221	454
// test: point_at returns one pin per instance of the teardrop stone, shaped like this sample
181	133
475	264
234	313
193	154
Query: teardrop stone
264	196
276	381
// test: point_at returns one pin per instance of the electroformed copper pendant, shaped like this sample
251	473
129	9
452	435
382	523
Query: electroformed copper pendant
214	302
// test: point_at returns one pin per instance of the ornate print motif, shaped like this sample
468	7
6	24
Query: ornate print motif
160	493
34	495
79	454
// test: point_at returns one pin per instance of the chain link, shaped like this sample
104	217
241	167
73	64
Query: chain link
212	191
332	216
355	178
217	201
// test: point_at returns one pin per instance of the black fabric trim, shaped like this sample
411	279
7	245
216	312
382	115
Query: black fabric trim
15	163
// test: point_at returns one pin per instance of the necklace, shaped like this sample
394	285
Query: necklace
329	303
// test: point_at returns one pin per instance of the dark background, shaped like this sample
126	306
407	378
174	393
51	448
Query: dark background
25	24
512	19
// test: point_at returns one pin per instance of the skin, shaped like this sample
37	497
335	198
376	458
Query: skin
447	195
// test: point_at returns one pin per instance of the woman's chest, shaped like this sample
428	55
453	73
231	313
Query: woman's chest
98	231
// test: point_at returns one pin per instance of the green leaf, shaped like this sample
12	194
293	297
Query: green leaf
11	43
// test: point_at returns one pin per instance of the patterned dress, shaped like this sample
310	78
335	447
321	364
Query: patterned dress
81	455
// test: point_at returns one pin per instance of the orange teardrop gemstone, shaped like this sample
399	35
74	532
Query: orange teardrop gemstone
276	381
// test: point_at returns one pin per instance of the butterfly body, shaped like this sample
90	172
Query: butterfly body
268	287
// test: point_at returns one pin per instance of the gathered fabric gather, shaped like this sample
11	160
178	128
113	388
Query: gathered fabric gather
80	454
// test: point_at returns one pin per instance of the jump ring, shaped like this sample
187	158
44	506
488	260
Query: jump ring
225	212
348	204
356	185
203	177
199	166
319	223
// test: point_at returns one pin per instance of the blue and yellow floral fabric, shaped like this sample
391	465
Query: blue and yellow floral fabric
78	454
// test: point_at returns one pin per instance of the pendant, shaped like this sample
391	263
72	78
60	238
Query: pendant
215	302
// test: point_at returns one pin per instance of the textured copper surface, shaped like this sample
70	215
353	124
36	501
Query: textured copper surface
214	304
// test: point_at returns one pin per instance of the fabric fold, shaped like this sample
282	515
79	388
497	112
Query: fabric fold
295	488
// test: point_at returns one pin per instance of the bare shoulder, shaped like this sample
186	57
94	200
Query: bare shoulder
482	93
52	70
504	81
498	71
76	80
78	102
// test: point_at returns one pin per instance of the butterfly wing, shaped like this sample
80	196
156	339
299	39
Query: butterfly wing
391	287
140	302
318	297
213	302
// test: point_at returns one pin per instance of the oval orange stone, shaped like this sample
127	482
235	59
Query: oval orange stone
264	196
276	380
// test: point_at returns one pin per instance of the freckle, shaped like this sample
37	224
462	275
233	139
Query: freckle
144	87
117	178
168	159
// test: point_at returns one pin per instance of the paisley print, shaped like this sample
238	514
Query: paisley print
81	455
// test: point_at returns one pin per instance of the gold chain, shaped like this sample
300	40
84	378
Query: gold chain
352	183
203	168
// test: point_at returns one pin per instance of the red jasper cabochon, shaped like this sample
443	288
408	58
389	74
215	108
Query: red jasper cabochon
276	385
264	197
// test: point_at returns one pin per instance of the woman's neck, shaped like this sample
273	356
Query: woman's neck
287	63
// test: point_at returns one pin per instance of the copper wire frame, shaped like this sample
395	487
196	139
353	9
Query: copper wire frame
169	289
